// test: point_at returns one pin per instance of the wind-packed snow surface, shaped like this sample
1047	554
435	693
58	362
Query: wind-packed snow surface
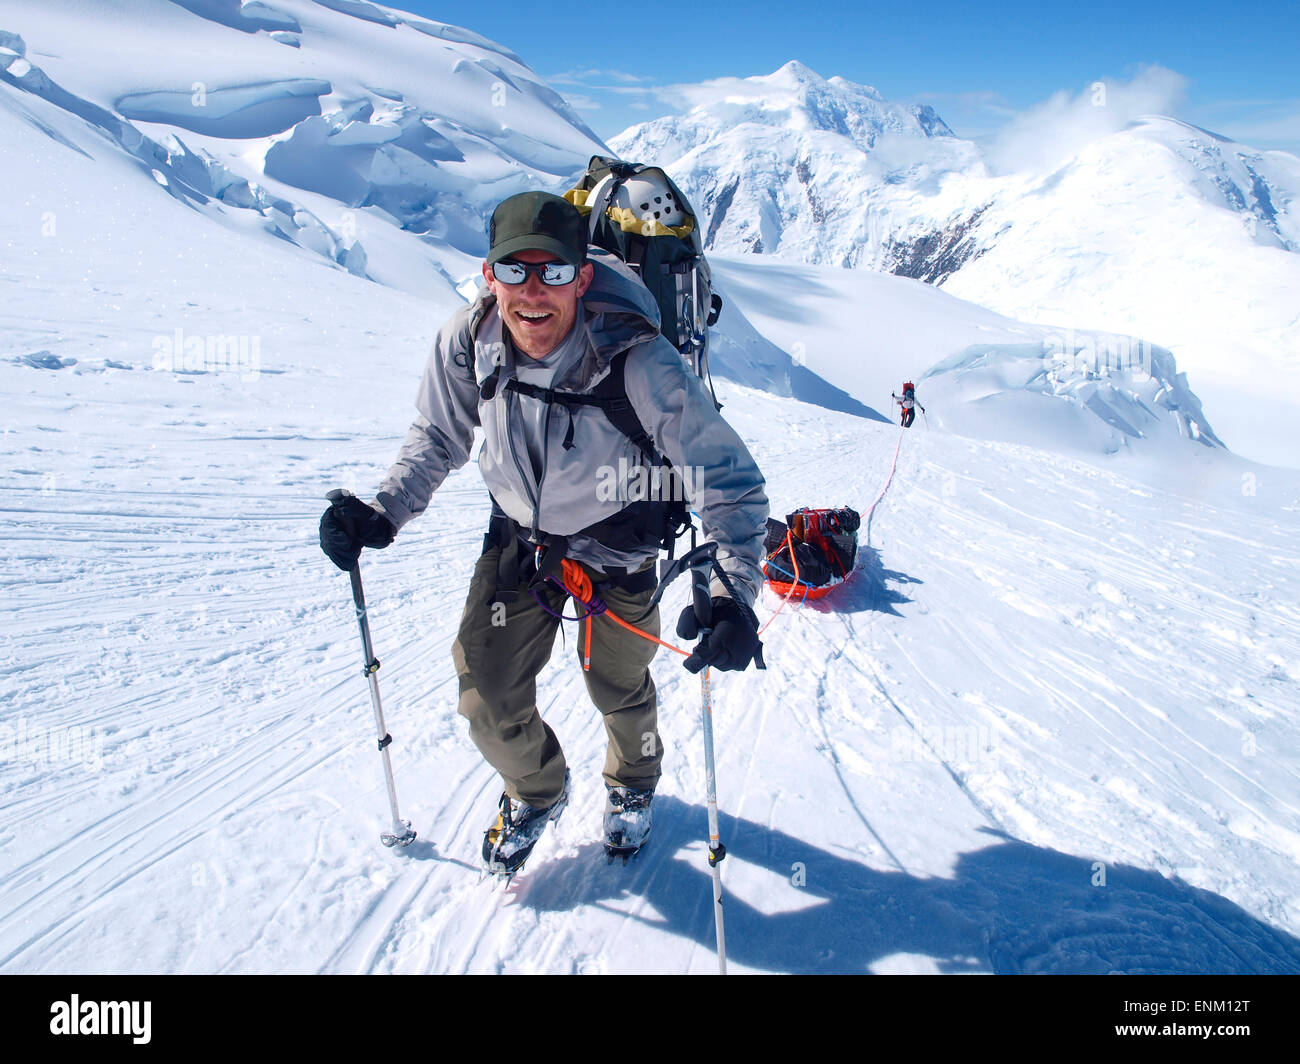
1049	725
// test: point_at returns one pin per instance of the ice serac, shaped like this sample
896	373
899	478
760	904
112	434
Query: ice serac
246	17
979	374
195	177
375	139
1077	394
239	112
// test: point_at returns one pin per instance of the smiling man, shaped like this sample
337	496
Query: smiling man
547	361
539	305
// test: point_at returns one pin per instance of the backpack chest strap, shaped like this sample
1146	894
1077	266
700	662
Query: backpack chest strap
609	395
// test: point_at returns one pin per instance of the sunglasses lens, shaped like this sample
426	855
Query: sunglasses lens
558	273
509	272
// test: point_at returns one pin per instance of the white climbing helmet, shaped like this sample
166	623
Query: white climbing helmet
648	196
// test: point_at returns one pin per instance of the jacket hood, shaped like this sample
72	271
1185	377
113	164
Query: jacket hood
618	297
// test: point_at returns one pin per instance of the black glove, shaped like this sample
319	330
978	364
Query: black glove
350	524
731	644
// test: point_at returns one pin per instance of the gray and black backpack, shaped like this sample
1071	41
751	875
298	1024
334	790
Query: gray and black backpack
636	212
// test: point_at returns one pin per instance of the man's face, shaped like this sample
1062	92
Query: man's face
538	315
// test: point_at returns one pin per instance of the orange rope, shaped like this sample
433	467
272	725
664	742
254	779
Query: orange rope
578	584
889	480
645	635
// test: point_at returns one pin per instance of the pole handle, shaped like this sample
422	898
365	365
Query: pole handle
700	599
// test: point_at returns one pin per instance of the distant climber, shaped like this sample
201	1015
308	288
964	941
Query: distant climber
908	403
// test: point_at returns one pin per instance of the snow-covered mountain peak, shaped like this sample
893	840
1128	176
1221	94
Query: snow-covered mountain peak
847	86
800	79
792	72
783	164
795	98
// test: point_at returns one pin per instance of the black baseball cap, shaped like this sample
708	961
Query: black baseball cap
538	221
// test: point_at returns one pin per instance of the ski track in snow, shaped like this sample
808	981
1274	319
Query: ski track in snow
905	727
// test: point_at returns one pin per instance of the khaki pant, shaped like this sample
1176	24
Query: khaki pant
497	665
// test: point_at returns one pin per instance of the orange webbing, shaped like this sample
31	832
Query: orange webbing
578	584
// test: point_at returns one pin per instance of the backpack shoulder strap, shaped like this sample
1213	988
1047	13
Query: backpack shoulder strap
609	394
612	391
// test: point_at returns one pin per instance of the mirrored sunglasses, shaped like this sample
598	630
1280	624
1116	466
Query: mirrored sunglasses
507	271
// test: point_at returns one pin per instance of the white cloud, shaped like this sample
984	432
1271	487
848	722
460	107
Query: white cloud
683	97
1049	132
587	77
581	103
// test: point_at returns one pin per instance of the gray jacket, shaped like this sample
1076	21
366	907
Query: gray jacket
598	475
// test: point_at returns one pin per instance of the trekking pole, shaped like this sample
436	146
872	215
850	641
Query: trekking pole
401	832
717	851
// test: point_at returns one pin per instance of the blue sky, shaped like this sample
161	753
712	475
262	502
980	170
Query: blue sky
977	64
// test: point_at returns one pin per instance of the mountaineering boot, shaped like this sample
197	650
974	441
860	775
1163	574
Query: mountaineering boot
627	820
508	843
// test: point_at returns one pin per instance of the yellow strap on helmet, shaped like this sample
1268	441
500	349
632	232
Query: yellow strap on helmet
629	222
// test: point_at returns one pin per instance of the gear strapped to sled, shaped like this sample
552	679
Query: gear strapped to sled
812	552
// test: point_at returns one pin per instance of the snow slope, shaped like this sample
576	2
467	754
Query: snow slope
1041	666
1050	673
977	372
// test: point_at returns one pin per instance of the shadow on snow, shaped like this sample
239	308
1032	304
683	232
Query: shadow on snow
1007	908
867	589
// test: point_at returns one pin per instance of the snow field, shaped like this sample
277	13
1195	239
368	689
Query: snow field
1049	726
